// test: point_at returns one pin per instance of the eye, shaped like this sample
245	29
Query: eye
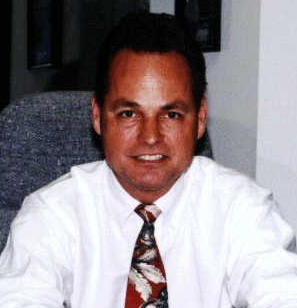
127	114
174	115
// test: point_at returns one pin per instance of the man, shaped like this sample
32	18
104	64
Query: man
220	237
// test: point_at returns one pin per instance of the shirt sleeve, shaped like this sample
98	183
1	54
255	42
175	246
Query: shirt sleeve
263	270
35	263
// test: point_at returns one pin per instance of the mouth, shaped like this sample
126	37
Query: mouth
150	158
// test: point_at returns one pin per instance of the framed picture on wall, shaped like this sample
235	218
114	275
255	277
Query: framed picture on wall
204	18
44	35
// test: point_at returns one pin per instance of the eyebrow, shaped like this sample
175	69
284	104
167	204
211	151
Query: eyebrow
122	103
177	105
119	103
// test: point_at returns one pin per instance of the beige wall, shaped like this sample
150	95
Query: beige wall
277	104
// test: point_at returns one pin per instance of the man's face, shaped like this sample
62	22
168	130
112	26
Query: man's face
148	122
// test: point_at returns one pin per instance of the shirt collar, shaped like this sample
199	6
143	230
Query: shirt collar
167	201
124	204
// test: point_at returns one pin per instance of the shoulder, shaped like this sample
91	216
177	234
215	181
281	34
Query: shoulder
226	187
67	192
223	179
234	199
68	183
59	205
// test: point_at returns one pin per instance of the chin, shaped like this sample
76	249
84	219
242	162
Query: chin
157	185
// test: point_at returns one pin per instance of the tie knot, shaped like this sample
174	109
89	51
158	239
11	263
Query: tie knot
148	212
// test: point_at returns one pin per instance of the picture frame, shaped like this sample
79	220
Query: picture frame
204	19
44	34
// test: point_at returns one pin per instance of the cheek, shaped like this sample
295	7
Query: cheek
184	143
116	138
113	129
186	133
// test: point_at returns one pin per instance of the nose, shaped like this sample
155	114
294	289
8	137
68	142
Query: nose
150	131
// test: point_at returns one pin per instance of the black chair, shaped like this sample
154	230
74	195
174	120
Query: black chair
41	136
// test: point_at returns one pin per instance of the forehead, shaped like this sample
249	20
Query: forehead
166	74
130	62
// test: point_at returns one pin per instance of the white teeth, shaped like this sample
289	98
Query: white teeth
150	157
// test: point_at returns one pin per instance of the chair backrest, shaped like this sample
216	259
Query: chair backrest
41	136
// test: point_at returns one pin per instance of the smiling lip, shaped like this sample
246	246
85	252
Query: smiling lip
151	158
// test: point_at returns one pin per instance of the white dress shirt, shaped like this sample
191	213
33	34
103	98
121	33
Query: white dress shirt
222	241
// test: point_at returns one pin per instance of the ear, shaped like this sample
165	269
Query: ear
202	118
96	115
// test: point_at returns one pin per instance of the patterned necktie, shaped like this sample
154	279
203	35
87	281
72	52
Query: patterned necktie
147	281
